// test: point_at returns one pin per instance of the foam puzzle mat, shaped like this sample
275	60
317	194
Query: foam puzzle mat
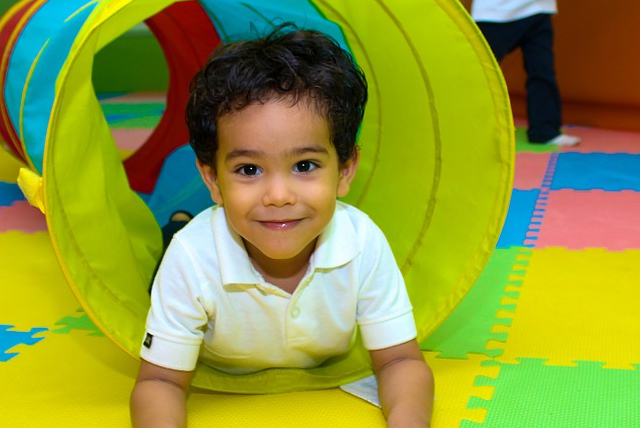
549	336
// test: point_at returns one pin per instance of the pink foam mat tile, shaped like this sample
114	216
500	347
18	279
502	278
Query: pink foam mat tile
530	170
596	140
589	219
21	216
130	139
603	140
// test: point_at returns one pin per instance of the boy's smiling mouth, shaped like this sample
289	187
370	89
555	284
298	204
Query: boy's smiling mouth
280	224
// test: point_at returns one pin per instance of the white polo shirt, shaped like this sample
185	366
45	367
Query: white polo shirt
510	10
207	293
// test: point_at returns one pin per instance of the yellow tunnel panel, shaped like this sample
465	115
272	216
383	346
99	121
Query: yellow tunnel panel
435	173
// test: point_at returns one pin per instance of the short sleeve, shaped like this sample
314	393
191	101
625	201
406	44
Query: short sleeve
178	312
384	311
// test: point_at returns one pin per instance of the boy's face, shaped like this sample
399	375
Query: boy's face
277	176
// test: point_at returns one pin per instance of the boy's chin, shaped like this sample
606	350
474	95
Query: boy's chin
281	254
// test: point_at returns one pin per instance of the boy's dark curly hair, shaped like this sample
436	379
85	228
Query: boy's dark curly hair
289	63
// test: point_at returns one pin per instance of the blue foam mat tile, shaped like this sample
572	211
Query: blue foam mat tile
10	338
517	224
9	193
606	171
106	95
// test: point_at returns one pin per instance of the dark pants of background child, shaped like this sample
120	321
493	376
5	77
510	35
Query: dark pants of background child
168	231
534	35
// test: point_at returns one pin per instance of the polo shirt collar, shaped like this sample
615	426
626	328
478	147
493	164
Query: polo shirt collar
234	264
336	247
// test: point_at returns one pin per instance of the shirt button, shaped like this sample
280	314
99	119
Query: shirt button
295	312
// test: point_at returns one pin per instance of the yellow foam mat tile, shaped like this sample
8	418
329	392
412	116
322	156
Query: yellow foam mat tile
34	291
67	380
83	381
454	380
78	379
576	306
455	386
321	409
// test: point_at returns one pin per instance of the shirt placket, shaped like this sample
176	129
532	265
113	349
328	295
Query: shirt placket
294	318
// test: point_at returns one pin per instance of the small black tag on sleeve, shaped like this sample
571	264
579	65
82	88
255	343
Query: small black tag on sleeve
147	341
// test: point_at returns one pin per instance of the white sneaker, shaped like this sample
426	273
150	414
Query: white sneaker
564	140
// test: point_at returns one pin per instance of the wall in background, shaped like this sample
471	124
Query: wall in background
132	62
5	5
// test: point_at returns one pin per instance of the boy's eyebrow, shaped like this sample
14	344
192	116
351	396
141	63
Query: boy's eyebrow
310	149
259	153
238	153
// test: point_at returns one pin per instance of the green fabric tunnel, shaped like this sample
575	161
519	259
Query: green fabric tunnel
435	172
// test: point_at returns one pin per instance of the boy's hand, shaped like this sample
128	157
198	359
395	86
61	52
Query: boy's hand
159	397
405	385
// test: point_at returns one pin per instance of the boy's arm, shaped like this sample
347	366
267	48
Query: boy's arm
405	385
159	397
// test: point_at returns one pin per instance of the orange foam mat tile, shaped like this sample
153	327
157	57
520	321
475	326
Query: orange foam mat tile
577	305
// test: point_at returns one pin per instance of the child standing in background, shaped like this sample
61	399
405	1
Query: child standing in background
526	24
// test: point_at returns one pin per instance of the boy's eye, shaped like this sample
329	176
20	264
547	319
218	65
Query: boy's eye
304	166
249	170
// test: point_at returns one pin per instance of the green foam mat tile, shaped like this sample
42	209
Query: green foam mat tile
80	322
470	326
532	394
133	108
142	122
523	144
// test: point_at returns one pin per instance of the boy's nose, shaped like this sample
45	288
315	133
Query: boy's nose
279	192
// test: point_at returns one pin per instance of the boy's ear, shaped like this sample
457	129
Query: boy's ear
210	178
347	173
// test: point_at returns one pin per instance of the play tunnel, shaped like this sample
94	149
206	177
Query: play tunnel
436	149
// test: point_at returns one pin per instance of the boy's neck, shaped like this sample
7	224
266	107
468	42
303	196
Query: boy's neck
285	274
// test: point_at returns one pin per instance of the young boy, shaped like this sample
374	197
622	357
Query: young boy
278	273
